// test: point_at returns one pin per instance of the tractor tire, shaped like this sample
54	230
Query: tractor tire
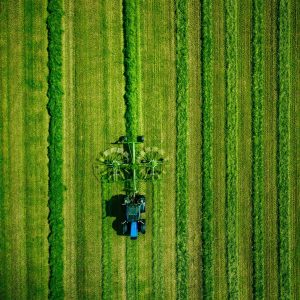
143	226
143	208
140	139
124	228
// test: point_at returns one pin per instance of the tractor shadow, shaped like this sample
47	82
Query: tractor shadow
114	208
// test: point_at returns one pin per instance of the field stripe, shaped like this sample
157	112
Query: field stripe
294	146
207	191
283	159
70	254
244	153
157	244
35	149
231	145
3	162
107	288
219	169
13	155
181	149
270	145
55	149
194	155
257	144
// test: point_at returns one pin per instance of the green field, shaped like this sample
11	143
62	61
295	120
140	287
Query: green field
215	84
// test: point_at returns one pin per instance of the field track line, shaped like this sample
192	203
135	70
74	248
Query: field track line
231	146
219	169
3	149
294	146
244	153
270	145
13	206
115	108
181	148
157	244
36	123
207	160
283	150
194	156
70	255
258	74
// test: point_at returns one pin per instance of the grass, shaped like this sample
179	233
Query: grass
55	149
283	159
157	243
181	149
231	144
207	190
257	144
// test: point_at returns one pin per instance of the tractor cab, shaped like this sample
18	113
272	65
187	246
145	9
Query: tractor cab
135	205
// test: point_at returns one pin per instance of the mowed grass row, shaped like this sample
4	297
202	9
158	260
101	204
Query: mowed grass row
257	145
181	148
207	188
107	276
131	73
55	149
231	49
35	148
157	243
283	150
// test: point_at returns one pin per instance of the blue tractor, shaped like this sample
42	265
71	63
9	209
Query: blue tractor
131	165
134	206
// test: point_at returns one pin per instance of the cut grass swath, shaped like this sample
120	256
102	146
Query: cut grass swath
131	74
181	148
107	292
207	194
283	161
231	144
257	145
55	149
157	245
131	70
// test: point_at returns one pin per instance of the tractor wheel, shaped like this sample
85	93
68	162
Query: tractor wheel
143	226
124	228
143	207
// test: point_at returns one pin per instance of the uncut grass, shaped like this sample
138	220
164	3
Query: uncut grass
244	151
283	150
231	145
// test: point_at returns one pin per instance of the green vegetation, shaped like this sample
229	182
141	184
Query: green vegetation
189	70
157	243
106	244
231	144
207	191
283	149
55	92
131	72
257	144
181	148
